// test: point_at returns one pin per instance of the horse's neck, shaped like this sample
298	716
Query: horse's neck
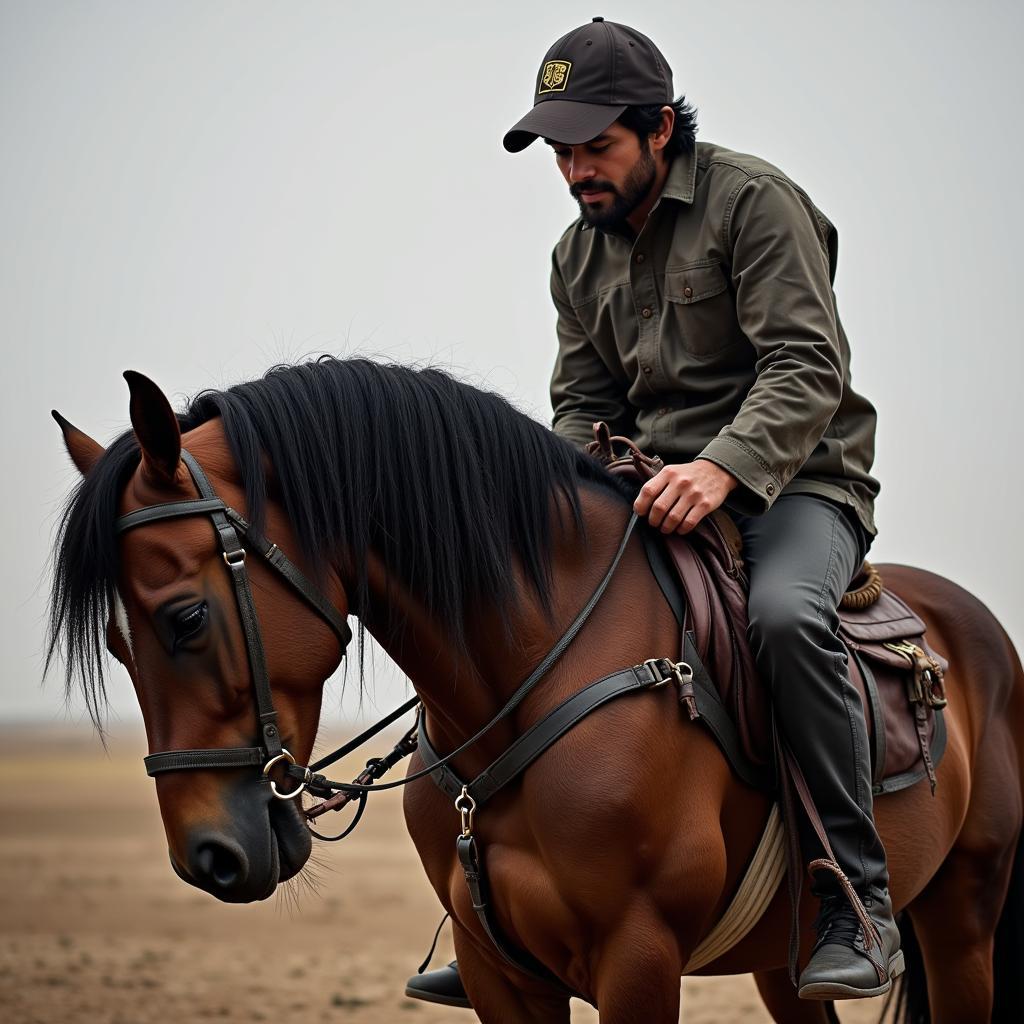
462	691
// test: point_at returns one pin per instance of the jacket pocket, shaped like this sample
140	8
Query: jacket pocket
700	313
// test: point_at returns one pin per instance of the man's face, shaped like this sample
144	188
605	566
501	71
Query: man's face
609	176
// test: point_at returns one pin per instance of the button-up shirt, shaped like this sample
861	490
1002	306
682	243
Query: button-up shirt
714	334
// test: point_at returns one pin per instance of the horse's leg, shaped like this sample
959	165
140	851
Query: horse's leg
495	999
638	973
782	1002
955	917
955	920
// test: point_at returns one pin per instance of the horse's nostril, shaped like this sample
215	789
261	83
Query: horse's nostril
220	865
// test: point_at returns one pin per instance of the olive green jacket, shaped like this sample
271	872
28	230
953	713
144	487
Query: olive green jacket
714	334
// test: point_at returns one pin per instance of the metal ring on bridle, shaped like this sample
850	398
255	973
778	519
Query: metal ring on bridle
283	756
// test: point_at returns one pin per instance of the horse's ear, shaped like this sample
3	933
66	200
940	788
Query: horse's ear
84	451
156	427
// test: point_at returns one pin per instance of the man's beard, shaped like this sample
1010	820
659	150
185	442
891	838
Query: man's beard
634	191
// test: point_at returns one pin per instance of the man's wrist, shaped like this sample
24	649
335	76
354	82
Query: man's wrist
727	479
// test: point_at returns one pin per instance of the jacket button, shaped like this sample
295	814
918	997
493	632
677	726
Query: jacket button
647	369
688	291
770	489
639	257
646	313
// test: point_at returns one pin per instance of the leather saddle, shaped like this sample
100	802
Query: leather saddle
899	677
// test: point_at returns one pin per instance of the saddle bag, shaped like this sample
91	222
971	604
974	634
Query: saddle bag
897	669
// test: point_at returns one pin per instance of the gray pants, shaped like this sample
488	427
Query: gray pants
801	556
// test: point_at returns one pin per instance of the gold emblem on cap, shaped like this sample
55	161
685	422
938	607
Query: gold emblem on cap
555	76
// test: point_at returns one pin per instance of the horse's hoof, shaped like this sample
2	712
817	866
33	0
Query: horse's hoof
441	986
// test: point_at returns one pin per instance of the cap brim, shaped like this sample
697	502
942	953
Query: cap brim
565	121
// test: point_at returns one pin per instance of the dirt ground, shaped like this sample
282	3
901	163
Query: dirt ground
95	927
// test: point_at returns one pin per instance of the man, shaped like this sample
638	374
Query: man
696	316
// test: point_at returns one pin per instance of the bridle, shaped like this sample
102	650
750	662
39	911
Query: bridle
232	528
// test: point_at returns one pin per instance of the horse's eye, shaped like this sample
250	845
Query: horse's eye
190	622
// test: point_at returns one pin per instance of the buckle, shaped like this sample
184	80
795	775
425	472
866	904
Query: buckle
925	684
934	688
668	671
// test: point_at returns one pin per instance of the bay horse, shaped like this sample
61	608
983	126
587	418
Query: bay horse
465	536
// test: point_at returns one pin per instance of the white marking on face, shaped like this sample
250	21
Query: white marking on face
121	619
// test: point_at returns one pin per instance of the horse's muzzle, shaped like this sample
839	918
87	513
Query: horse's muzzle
245	863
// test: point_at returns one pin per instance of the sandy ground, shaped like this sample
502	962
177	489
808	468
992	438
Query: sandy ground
95	927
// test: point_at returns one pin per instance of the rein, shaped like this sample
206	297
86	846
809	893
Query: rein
319	783
232	528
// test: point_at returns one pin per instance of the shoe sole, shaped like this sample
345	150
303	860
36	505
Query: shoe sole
835	990
436	997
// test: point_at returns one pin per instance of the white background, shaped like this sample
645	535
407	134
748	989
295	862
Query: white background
198	190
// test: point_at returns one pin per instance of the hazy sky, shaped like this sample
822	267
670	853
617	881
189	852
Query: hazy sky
198	190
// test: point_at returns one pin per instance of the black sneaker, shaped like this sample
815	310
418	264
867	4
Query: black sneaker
842	964
441	986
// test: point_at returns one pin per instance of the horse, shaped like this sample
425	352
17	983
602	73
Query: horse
464	536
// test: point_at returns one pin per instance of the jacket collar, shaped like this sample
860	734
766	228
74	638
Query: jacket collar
682	178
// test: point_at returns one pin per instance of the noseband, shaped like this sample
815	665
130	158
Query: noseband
232	529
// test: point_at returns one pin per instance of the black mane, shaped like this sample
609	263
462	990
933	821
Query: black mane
447	482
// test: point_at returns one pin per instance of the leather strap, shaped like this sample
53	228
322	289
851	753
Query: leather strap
169	510
921	727
792	780
719	722
227	757
376	767
859	668
532	743
278	560
476	882
367	734
666	579
234	556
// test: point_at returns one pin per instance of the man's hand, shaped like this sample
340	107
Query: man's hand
680	496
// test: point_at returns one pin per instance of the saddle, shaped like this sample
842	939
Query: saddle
899	677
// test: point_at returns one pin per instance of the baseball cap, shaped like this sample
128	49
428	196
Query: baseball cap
587	79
